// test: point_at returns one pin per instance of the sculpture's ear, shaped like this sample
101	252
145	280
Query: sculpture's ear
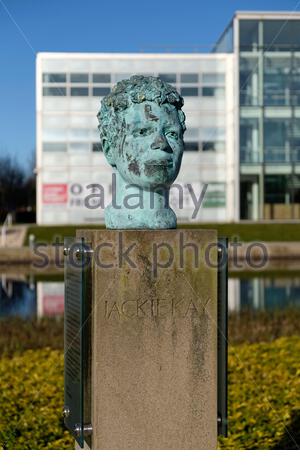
108	150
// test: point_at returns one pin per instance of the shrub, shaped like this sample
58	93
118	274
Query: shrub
264	400
31	401
18	334
257	326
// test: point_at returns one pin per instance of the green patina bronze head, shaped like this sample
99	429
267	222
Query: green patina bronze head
141	129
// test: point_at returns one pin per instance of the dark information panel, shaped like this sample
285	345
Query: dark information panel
222	335
77	354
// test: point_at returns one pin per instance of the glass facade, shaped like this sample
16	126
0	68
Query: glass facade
225	42
269	112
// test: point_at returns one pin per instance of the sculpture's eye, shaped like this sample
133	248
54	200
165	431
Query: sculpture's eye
172	134
143	131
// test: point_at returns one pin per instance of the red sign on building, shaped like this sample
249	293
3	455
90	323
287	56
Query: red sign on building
55	193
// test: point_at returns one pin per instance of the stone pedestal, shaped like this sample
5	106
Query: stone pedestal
154	339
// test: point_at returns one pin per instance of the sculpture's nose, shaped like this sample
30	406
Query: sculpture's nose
161	143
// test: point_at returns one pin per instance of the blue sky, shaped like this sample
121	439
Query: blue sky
31	26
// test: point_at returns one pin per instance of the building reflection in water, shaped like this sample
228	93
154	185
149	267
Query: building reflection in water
50	299
263	293
17	297
27	298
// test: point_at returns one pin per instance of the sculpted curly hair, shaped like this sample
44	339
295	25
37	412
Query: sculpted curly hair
136	89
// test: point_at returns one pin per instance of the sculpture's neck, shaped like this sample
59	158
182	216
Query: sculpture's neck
133	207
131	197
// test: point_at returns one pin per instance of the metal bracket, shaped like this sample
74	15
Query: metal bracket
66	412
87	429
79	252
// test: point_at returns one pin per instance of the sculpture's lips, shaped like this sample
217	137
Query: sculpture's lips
163	163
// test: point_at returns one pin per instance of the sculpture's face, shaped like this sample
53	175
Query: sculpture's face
151	148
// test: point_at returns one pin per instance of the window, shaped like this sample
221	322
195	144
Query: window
294	86
54	91
249	35
54	134
249	77
249	140
215	195
79	77
189	91
79	91
208	91
295	143
277	81
212	146
54	77
191	146
79	147
101	77
277	134
209	134
96	147
282	189
209	146
281	35
212	91
278	189
168	77
103	91
54	147
189	77
213	78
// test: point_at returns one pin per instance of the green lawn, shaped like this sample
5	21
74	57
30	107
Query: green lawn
242	231
248	232
49	233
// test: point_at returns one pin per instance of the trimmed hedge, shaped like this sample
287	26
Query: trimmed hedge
264	399
19	334
248	326
31	401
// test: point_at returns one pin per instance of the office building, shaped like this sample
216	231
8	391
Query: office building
242	104
69	156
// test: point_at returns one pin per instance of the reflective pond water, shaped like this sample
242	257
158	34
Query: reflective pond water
28	297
